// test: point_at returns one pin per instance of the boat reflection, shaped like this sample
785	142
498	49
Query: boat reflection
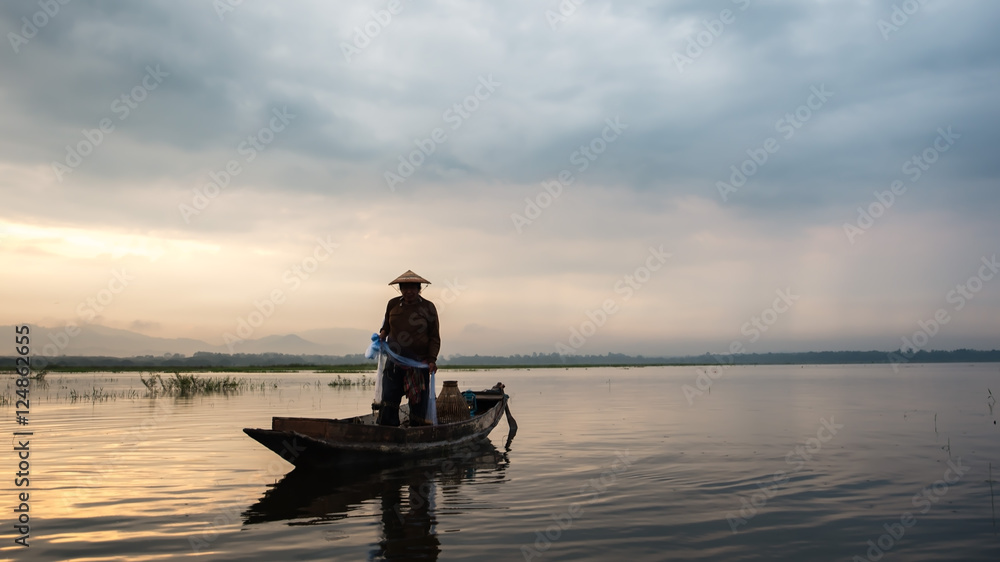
405	497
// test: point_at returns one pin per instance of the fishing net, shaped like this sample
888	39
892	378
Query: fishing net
380	349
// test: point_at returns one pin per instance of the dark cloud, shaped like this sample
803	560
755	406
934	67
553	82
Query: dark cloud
220	79
225	76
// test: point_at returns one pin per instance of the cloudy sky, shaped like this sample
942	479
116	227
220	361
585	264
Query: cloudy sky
644	177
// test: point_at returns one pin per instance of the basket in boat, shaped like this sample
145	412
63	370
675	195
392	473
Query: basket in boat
451	405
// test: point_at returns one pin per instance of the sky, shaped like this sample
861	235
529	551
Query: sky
673	177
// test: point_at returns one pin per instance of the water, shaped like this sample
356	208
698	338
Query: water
804	462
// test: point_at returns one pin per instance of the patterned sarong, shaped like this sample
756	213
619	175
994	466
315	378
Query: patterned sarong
413	384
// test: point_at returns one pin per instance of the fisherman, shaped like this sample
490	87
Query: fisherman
411	330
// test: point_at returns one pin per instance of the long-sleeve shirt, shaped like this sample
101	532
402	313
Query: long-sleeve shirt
412	330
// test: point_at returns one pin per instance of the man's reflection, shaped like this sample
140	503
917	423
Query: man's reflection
406	495
408	523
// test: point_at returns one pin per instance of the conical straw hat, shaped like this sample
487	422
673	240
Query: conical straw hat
409	277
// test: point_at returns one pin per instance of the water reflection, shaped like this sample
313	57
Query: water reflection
405	496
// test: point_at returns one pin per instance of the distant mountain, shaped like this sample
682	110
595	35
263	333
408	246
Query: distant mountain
339	341
289	344
203	360
94	340
339	345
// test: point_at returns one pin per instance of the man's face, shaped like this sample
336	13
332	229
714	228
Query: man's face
409	291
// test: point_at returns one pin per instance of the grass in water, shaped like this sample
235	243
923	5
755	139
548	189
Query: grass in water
190	385
98	394
341	382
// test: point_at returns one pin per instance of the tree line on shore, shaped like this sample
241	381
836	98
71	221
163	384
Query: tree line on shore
208	360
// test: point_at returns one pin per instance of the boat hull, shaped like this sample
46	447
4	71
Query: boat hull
359	441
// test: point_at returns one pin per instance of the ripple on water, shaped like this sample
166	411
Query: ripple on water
607	463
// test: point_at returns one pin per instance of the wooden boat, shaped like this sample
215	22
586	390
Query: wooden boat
319	442
331	493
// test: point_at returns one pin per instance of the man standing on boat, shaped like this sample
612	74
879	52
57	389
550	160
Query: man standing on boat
411	330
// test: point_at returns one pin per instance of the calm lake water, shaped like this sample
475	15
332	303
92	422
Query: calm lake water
770	463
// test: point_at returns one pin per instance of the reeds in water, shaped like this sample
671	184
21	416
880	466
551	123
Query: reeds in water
190	385
98	394
342	382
